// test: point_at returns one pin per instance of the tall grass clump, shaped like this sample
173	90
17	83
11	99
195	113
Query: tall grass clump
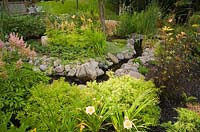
144	22
147	20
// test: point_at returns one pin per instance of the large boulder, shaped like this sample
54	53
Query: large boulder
81	72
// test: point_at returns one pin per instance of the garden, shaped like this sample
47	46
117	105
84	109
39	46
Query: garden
100	66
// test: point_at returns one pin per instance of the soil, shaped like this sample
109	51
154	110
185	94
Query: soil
188	81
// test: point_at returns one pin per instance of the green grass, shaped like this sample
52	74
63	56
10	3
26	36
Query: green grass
69	7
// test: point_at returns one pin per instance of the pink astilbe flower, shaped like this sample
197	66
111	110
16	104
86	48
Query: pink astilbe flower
19	63
21	45
15	41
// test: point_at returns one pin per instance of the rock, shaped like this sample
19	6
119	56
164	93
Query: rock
128	55
43	68
145	54
120	72
67	68
90	71
46	61
99	72
109	63
137	65
136	75
102	65
59	69
131	43
57	62
81	72
113	58
44	40
94	64
120	56
130	67
72	72
145	59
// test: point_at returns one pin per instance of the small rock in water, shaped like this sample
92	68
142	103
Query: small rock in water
99	72
120	56
109	63
127	54
113	58
102	65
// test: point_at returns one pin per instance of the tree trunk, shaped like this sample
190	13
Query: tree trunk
77	6
101	4
5	5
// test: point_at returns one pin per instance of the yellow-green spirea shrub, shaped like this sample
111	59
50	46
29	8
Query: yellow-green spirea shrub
187	121
63	107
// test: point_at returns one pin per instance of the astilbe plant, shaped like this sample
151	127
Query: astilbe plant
17	43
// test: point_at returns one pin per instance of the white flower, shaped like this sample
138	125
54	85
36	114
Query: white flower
127	123
90	110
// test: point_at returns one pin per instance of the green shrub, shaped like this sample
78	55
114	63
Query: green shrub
64	107
7	126
97	42
15	88
53	107
26	26
129	97
126	25
38	47
144	22
194	19
187	121
85	44
180	46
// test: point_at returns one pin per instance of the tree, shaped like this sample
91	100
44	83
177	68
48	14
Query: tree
101	5
5	5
